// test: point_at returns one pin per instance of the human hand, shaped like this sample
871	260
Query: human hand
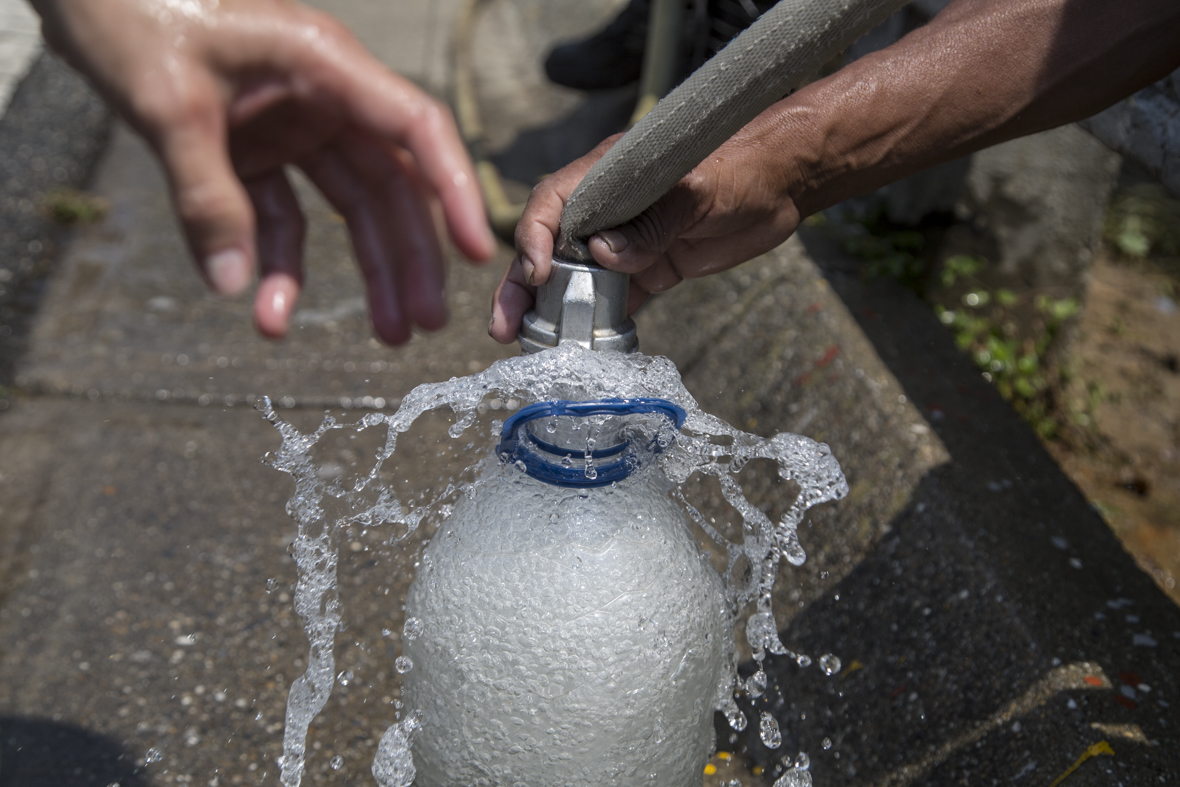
228	92
732	207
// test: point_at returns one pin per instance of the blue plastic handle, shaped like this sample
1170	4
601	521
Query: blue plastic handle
513	449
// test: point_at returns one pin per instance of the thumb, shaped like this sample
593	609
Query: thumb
212	204
641	242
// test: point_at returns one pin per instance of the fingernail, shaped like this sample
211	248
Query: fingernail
229	270
529	270
614	240
491	323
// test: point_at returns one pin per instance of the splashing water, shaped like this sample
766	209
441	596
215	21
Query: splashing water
705	445
794	777
393	766
769	731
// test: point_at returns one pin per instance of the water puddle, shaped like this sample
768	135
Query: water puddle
333	502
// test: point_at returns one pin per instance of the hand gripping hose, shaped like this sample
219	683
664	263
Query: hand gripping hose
762	65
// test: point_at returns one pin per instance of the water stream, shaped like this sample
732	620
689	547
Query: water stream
705	446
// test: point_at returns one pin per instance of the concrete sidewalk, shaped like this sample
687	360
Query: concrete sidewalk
990	626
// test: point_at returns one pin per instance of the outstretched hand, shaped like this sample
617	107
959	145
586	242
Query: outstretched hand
228	92
731	208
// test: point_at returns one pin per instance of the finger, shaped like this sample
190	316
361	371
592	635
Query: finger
281	228
537	229
692	258
328	65
411	234
350	195
185	122
639	243
636	297
410	238
513	298
399	112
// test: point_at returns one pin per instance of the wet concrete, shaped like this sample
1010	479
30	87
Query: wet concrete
146	628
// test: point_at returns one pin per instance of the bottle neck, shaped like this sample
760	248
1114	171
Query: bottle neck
588	444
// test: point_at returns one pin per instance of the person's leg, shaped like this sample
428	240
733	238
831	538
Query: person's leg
613	56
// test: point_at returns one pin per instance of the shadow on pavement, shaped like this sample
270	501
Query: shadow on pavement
43	753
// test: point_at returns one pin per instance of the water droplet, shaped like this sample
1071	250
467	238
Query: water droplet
153	755
803	660
736	719
827	744
566	461
551	427
345	677
271	584
337	762
802	761
768	730
794	553
829	663
413	629
756	684
403	664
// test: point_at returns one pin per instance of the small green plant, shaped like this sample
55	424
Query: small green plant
1015	365
984	322
890	253
959	266
1144	219
70	206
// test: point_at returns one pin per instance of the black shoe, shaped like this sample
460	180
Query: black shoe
723	21
612	57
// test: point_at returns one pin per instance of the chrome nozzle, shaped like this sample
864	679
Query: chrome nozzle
581	303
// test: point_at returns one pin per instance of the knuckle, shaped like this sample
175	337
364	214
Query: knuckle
205	202
168	102
431	116
650	229
327	28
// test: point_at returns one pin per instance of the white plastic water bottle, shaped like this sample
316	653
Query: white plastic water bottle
572	631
